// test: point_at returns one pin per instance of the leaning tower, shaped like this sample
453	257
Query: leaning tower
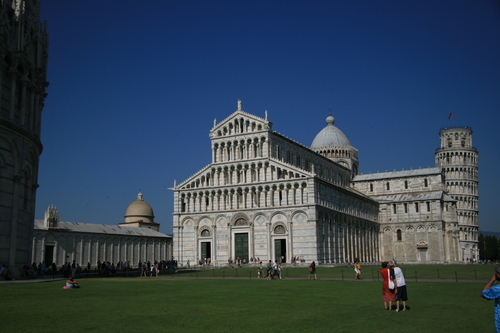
23	68
458	158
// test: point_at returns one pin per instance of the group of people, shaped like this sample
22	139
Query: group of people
148	268
394	286
272	270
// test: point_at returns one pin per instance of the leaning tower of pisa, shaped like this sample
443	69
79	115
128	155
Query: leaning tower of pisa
458	158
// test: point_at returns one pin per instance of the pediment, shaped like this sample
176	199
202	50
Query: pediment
238	123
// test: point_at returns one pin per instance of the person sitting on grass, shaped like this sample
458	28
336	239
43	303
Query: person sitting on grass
70	283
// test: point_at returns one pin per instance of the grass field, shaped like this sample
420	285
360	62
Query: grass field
241	305
412	273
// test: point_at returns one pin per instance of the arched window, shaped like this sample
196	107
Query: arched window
371	187
398	235
205	233
240	222
279	229
406	184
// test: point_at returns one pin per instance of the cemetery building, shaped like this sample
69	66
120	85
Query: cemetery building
137	239
265	196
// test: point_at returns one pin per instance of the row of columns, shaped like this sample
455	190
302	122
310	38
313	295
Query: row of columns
349	240
470	173
242	175
456	158
235	151
93	250
244	199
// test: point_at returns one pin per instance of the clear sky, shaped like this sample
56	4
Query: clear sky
135	87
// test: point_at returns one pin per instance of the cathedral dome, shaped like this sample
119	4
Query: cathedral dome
139	210
330	136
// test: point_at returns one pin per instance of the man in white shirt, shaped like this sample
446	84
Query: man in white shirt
401	283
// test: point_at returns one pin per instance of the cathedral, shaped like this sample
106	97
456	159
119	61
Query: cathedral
266	197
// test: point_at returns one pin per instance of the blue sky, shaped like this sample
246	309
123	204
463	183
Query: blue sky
135	87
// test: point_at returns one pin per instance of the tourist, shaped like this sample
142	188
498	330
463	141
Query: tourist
357	268
269	270
259	272
312	271
401	294
279	271
53	268
8	273
275	268
491	292
70	283
388	287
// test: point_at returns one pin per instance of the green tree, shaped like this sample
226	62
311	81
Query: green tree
489	247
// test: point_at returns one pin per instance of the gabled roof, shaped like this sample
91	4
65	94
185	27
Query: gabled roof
398	174
102	229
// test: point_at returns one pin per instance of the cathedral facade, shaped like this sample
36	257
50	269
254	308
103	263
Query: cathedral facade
267	197
23	68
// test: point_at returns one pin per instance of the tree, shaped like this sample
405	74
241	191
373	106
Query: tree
489	247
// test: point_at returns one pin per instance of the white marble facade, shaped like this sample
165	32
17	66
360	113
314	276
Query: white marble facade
266	196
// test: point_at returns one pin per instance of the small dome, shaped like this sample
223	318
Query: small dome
139	210
330	136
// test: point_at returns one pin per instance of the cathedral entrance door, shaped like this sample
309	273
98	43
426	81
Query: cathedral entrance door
280	250
241	246
205	250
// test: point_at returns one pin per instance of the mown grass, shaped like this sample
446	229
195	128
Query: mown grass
412	273
240	305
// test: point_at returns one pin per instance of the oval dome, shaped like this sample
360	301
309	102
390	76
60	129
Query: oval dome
330	136
139	209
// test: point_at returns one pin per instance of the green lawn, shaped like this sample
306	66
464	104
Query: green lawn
412	273
240	305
